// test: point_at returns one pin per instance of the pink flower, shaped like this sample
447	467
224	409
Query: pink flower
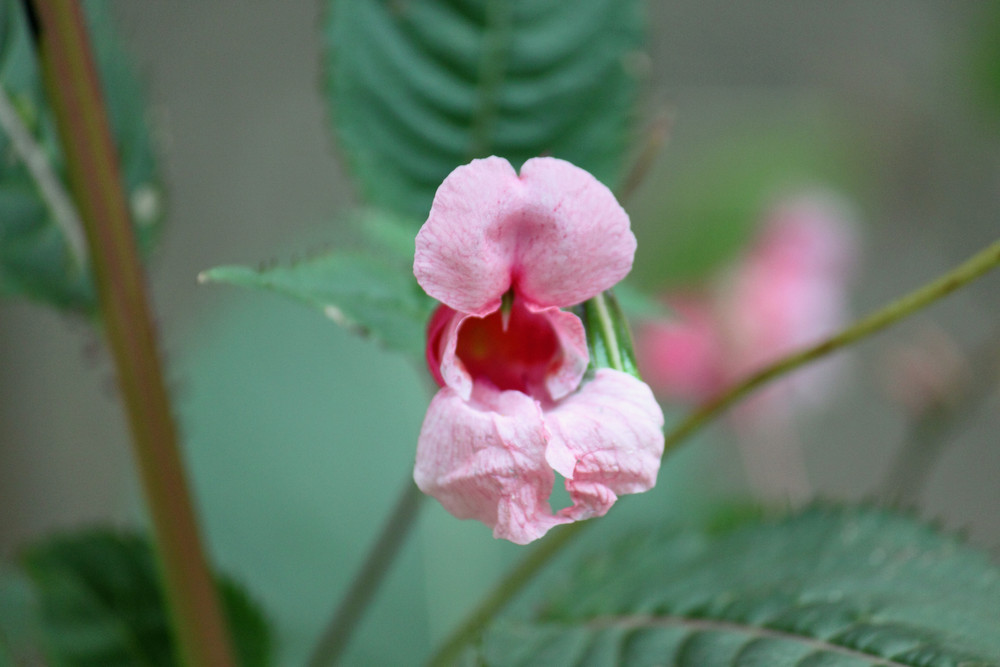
504	253
788	291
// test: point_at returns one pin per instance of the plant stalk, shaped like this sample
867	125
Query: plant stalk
376	564
920	298
518	578
72	85
504	592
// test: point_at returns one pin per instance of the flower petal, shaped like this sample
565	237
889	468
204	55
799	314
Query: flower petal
606	440
555	233
683	359
573	238
561	378
484	459
461	258
565	377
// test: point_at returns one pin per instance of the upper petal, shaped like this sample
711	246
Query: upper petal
484	459
459	260
574	239
606	440
556	233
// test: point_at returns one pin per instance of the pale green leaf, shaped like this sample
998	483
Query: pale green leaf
829	587
419	88
43	255
101	604
371	295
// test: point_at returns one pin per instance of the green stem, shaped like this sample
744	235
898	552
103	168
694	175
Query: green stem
558	540
504	592
496	42
73	90
931	430
656	138
376	565
965	273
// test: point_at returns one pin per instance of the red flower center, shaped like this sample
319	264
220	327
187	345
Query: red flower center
516	357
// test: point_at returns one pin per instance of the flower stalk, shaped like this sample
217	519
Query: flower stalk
72	86
376	564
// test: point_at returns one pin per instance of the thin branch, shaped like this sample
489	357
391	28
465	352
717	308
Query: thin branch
559	539
376	564
929	433
504	592
656	138
490	75
963	274
71	83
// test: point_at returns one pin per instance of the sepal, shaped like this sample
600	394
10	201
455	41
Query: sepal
609	338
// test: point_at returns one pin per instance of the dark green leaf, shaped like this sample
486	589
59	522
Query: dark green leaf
42	252
418	88
829	587
368	294
101	604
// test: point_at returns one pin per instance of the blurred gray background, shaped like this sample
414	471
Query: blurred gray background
252	174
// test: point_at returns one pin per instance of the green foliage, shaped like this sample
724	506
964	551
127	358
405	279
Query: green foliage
418	88
42	252
371	293
101	604
827	587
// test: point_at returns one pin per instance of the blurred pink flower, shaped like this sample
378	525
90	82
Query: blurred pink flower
789	290
504	253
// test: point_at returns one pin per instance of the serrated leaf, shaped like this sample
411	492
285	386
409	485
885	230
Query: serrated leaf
388	235
419	88
101	604
364	293
830	587
42	252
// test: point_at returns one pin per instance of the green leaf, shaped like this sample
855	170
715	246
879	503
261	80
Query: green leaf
368	294
43	254
829	587
101	604
388	235
419	88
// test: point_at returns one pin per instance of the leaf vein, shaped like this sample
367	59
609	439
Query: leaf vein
50	186
697	625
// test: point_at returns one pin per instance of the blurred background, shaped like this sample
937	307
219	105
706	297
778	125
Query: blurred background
299	435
